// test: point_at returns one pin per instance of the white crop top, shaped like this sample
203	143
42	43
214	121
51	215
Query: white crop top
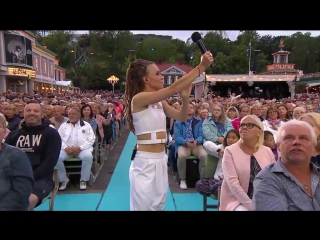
150	120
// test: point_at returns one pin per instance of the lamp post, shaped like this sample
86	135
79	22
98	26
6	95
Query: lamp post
113	80
132	51
255	60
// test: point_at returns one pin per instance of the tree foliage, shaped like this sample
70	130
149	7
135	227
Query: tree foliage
110	53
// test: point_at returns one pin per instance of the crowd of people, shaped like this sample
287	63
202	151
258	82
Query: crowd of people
243	143
263	154
46	130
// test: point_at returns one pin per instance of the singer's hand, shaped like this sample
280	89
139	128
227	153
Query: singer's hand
206	60
185	93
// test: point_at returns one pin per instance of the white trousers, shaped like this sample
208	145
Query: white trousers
149	184
211	148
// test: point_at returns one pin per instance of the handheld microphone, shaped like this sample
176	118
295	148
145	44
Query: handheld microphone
196	38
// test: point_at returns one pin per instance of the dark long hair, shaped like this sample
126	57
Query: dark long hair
134	85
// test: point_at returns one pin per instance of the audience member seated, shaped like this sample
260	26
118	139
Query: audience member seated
293	182
241	162
244	111
264	109
7	129
256	110
58	117
215	129
232	113
231	138
101	122
314	120
16	179
298	112
273	121
87	116
77	141
270	143
11	117
42	144
204	114
20	110
284	115
48	112
188	141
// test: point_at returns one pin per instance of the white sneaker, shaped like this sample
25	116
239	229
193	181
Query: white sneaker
63	185
183	185
83	185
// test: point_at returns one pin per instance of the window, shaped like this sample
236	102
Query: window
44	66
51	69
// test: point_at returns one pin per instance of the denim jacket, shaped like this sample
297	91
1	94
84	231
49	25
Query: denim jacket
210	130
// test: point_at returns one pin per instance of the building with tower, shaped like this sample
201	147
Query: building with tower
281	63
279	80
173	71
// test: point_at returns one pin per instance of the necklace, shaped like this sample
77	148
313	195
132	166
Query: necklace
306	187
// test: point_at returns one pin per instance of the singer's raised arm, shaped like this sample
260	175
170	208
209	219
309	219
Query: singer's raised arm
172	113
145	98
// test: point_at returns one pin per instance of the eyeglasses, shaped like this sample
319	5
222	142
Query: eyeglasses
249	125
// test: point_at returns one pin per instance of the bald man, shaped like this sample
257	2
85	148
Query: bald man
58	117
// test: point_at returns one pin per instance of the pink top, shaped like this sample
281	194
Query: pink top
236	170
118	110
236	123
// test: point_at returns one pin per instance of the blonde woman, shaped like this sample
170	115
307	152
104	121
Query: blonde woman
314	120
232	113
256	110
2	117
298	112
241	162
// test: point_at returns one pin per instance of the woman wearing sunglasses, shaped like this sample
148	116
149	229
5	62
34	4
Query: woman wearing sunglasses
241	162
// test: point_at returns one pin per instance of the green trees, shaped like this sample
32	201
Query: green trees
96	56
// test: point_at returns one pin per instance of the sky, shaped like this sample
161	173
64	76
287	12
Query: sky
184	35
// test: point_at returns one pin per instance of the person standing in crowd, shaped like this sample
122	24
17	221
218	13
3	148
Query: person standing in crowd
42	145
293	182
16	178
146	116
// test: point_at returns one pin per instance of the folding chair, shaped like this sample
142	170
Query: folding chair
53	194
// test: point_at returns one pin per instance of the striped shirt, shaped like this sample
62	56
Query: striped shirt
275	189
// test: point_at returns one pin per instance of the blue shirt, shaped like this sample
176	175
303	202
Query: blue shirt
189	133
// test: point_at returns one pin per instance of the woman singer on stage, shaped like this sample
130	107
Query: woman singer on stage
146	113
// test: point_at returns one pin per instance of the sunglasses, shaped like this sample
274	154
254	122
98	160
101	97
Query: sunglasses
249	125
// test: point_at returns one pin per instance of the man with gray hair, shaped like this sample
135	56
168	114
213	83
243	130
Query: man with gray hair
293	182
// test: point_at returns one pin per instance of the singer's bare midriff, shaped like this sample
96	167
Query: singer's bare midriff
153	148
